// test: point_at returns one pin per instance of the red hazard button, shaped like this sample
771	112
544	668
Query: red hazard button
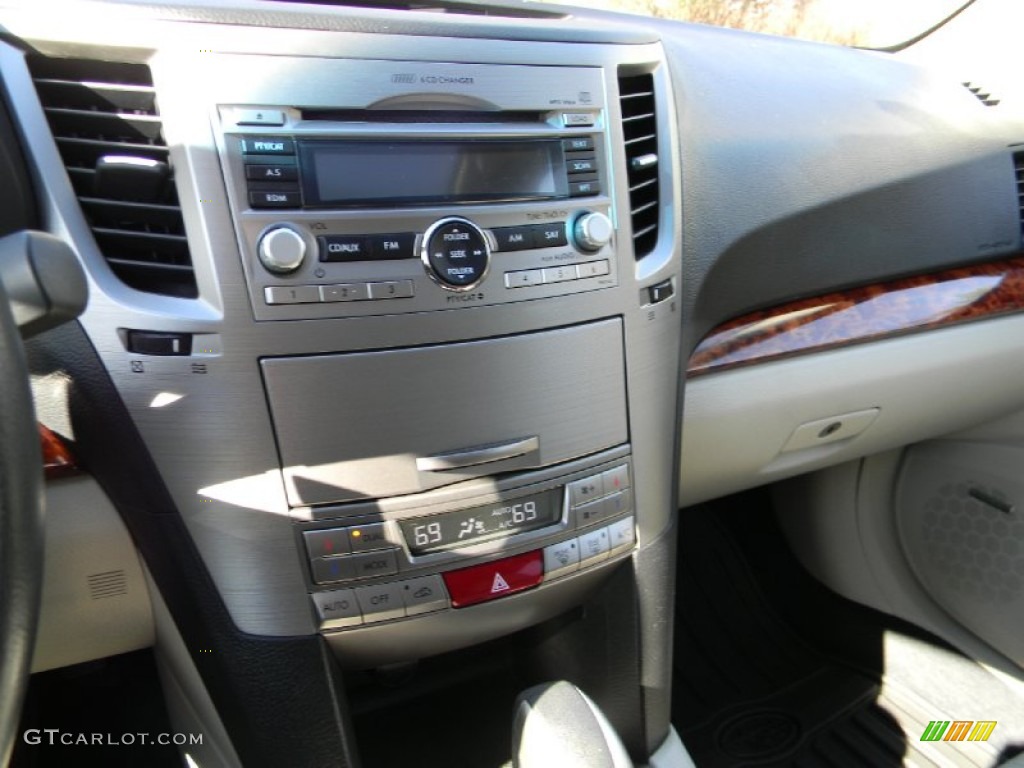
479	583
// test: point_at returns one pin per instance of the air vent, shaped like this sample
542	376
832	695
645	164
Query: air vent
982	94
105	121
1018	165
640	129
107	584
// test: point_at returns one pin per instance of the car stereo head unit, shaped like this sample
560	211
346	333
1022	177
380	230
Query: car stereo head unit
405	206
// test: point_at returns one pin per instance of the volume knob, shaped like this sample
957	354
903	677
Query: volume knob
592	231
281	250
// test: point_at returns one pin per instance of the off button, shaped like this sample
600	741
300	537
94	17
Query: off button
455	254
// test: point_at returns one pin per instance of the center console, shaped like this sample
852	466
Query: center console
426	395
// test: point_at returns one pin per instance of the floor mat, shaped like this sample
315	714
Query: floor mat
107	713
773	669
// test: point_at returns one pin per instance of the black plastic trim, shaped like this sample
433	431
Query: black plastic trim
281	699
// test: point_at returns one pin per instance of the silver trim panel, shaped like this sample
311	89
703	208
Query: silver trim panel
215	444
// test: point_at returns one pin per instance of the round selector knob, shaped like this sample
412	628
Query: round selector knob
592	231
281	250
455	253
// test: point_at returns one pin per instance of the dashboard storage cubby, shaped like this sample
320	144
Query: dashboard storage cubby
375	424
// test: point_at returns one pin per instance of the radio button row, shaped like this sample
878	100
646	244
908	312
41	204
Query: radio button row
344	248
584	188
592	269
577	119
559	274
295	294
267	145
525	278
392	289
276	172
252	116
549	235
530	236
393	247
578	144
514	238
581	164
345	292
313	294
275	199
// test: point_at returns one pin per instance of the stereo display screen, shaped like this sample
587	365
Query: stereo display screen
415	172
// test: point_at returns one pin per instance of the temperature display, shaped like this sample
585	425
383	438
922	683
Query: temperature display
466	526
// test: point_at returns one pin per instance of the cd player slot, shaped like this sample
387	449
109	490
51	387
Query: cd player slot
424	116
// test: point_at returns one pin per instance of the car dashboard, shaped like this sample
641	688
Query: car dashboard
410	331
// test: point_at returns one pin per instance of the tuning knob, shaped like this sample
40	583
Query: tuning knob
281	250
592	231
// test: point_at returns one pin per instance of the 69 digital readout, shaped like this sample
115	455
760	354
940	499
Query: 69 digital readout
502	518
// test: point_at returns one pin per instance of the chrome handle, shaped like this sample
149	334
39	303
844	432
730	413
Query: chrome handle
473	456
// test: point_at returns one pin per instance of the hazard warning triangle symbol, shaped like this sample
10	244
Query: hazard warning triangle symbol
499	585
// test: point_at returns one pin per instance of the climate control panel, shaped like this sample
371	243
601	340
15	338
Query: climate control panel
430	557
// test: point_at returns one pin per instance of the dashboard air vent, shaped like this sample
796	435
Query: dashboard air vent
1018	166
639	127
982	94
105	122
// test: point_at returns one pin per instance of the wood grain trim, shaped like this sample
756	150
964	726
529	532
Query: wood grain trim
58	461
864	314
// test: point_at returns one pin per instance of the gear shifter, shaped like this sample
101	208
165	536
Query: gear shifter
556	724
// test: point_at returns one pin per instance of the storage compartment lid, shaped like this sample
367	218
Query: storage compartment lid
376	424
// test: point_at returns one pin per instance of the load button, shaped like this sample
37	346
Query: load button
479	583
